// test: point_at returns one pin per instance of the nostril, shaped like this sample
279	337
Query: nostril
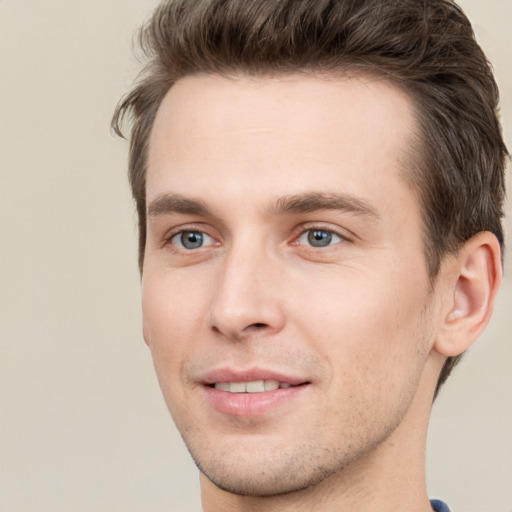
258	325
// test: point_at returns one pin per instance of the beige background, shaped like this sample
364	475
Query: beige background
82	423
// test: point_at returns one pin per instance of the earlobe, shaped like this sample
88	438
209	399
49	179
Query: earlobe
476	277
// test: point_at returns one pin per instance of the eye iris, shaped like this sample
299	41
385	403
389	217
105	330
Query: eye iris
319	238
191	239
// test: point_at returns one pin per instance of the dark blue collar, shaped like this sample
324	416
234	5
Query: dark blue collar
439	506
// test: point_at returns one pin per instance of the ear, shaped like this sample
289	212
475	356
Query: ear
473	281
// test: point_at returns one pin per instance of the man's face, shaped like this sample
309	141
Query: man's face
284	259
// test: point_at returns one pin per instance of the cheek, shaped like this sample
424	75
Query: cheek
171	307
368	328
171	318
373	347
172	315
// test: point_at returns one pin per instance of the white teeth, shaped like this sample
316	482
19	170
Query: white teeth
256	386
270	385
237	387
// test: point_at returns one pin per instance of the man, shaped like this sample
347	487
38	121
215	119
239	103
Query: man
320	190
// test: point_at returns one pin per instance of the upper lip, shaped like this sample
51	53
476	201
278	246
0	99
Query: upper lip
249	375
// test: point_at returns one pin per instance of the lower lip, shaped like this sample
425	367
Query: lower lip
251	404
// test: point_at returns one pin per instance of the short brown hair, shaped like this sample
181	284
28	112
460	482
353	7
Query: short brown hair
426	48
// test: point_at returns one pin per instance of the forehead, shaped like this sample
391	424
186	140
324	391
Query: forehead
297	132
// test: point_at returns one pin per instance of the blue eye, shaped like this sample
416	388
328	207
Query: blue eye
191	240
319	238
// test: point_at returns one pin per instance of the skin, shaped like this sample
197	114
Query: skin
356	321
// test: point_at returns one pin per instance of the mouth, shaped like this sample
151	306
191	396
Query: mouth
254	386
252	393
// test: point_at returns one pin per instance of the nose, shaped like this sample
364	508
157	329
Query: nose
246	302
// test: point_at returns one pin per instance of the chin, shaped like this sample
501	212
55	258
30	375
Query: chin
274	473
264	483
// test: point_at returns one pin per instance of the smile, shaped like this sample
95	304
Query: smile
255	386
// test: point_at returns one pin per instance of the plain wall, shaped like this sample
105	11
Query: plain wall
82	424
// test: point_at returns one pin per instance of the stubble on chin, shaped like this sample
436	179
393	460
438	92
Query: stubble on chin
284	471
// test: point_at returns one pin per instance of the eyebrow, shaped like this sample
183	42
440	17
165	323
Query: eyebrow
174	203
294	204
314	201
